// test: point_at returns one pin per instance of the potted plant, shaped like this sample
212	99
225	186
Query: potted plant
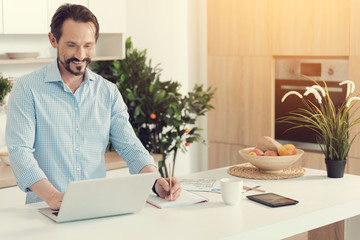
5	87
162	118
331	125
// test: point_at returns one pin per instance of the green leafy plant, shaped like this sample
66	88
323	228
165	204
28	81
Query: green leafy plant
5	87
162	118
331	124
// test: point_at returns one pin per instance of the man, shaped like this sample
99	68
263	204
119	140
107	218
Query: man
60	118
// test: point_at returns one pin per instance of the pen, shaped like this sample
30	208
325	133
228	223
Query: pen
170	177
254	188
244	187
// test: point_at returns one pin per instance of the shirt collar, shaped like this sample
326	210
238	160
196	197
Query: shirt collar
53	73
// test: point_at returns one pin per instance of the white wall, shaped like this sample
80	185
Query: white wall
197	25
160	26
174	34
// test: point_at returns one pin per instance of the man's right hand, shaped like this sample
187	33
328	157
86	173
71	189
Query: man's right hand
47	192
55	200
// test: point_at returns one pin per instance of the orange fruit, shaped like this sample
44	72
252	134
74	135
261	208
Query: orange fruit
287	149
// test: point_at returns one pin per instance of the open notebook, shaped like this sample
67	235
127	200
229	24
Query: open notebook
186	198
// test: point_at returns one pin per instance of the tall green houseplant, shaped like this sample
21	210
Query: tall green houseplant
162	118
5	87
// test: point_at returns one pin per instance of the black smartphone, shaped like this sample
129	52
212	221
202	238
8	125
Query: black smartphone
272	199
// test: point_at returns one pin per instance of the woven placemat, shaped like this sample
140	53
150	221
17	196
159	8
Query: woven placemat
250	171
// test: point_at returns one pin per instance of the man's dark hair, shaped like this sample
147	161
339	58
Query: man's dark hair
78	13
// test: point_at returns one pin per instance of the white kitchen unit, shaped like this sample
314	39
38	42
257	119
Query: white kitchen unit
34	17
112	17
25	29
25	17
1	17
54	4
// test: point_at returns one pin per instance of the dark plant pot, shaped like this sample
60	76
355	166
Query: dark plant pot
335	168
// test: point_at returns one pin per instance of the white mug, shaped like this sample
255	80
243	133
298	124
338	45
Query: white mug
231	190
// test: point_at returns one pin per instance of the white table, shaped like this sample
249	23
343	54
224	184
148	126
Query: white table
322	201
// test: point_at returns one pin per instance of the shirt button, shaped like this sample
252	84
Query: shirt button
76	109
77	129
77	149
78	169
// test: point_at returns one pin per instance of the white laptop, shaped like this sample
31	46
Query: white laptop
103	197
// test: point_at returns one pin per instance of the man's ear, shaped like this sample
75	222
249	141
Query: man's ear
52	40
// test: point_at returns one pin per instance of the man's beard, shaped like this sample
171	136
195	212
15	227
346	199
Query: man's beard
67	62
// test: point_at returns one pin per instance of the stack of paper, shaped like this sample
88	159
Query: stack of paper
207	185
200	185
186	198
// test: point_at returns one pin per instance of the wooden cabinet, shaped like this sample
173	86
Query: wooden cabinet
354	73
243	39
334	231
354	29
311	27
239	27
240	66
353	165
112	17
244	99
22	17
227	154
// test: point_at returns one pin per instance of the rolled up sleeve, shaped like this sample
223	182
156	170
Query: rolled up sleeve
124	139
20	135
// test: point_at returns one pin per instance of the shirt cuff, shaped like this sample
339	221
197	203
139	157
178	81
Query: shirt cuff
154	189
29	177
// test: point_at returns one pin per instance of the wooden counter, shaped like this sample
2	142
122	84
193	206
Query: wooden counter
112	161
7	178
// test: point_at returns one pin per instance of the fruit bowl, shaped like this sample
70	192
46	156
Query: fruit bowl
270	164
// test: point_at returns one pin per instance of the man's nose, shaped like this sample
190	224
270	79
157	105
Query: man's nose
80	53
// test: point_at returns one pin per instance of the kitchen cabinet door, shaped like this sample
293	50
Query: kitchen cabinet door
54	4
244	100
111	15
311	27
354	29
334	231
224	154
240	66
1	18
239	27
353	165
354	73
25	17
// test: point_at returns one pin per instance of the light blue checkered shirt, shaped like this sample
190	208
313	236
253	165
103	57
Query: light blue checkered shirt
55	134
